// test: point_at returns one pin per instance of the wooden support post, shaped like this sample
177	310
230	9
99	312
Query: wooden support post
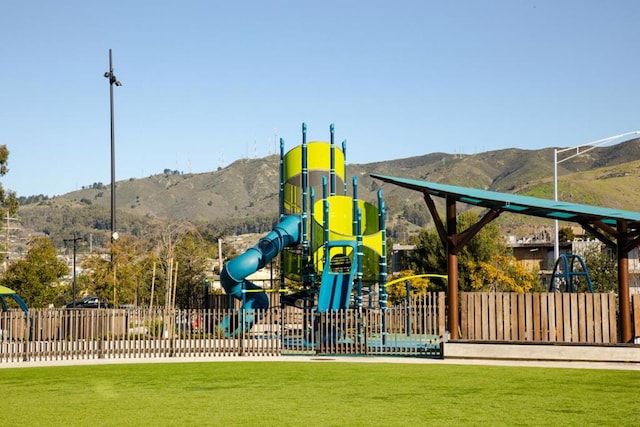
452	268
626	334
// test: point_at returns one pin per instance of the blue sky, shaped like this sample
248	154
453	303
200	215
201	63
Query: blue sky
208	82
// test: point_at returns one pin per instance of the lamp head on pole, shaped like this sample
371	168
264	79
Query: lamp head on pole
112	78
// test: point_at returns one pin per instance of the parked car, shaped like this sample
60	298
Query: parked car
89	302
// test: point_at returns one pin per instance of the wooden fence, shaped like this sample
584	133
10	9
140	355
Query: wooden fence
412	330
68	334
541	317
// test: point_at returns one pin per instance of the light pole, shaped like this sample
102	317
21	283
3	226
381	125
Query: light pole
579	150
75	243
112	81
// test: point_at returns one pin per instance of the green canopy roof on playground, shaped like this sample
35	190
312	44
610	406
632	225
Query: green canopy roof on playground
617	228
525	205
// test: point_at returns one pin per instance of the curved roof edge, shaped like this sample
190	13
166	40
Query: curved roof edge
526	205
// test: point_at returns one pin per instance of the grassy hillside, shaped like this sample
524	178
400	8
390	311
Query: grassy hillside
247	190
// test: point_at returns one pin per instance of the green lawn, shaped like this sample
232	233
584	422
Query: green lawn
316	394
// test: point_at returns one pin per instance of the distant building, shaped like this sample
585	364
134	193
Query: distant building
400	255
535	253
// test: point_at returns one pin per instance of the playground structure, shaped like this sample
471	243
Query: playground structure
326	245
567	269
9	298
331	248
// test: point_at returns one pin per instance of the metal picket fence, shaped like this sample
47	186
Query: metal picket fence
80	334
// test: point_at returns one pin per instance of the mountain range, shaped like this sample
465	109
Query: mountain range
246	191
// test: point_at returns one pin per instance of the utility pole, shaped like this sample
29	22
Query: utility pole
75	241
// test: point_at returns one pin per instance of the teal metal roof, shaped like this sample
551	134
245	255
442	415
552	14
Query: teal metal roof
526	205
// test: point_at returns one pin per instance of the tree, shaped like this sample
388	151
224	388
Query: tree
397	292
181	253
416	213
430	257
565	234
8	201
501	274
34	278
116	281
603	270
127	253
191	255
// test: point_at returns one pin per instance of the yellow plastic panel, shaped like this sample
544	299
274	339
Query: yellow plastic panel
341	222
341	215
318	158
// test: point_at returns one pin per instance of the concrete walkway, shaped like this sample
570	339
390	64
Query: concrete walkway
342	359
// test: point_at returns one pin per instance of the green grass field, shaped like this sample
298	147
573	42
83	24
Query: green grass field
316	394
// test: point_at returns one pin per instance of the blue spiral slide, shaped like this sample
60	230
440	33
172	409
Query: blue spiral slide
234	273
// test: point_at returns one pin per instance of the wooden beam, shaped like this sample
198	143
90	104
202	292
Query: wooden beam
598	233
465	236
436	218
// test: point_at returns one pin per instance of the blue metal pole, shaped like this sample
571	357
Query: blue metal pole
344	154
282	212
408	288
354	227
382	292
359	257
382	218
305	241
333	161
244	299
325	221
305	183
325	215
281	190
312	234
311	271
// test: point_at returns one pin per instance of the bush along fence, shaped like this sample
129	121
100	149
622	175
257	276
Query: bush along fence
80	334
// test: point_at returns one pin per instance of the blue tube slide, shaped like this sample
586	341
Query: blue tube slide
233	275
